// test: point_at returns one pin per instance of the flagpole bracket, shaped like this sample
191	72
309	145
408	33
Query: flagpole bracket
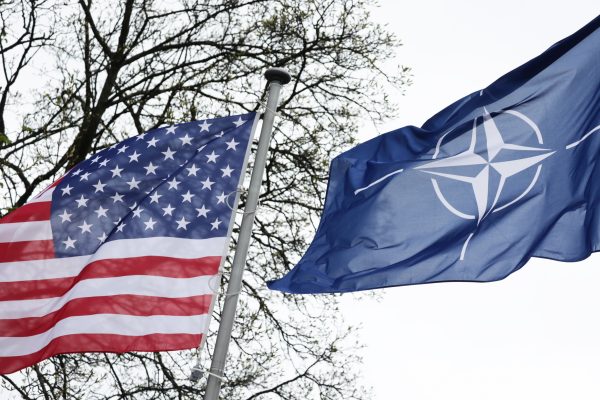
198	373
240	190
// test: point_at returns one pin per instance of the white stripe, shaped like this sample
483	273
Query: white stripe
464	248
105	324
587	135
44	196
42	269
72	266
161	246
357	191
142	285
25	231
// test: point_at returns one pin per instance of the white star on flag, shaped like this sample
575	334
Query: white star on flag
232	145
116	171
85	227
101	211
173	184
81	202
204	126
154	198
99	187
133	183
222	197
239	122
134	157
212	157
65	216
187	197
207	184
215	224
117	198
150	224
168	210
192	170
227	171
69	243
182	224
150	169
66	190
186	139
168	154
202	211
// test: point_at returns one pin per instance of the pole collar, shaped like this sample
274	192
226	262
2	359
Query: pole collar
278	74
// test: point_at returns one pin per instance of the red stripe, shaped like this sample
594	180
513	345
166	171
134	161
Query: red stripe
150	265
22	251
118	304
101	343
56	182
53	184
29	212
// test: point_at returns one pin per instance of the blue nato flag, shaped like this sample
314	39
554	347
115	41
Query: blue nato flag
505	174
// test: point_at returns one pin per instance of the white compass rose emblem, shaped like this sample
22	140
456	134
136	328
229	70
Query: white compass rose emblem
514	159
489	167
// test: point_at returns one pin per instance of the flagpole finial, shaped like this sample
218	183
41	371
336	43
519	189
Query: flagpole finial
278	74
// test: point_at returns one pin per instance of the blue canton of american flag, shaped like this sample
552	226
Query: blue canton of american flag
178	181
123	253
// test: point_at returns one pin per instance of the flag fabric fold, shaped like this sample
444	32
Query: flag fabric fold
505	174
124	252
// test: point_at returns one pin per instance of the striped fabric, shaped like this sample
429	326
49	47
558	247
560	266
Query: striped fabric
147	290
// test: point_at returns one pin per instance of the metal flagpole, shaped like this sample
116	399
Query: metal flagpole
276	77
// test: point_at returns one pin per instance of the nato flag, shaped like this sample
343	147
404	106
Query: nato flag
505	174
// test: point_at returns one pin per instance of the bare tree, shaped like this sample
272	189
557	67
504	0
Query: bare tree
106	70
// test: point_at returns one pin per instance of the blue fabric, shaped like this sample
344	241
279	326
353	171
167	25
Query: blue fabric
168	182
500	176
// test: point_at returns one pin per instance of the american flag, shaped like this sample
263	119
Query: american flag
123	253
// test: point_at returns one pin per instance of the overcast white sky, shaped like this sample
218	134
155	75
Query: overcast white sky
535	335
